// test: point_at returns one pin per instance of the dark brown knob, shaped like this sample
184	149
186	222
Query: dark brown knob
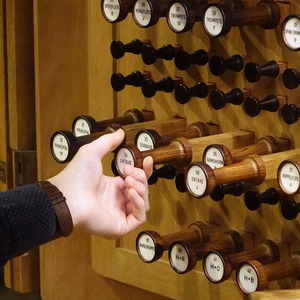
116	11
253	200
84	125
118	49
182	15
118	81
180	183
150	87
219	18
253	72
184	60
167	171
289	209
218	65
183	94
146	13
184	256
150	54
218	267
150	245
290	113
253	276
234	189
291	78
253	106
219	99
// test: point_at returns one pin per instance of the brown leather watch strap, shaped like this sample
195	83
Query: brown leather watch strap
63	215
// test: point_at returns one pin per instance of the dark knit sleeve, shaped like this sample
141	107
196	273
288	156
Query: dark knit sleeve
27	219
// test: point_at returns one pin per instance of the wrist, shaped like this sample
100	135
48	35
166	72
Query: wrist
61	209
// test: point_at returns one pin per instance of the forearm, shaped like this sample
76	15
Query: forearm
27	219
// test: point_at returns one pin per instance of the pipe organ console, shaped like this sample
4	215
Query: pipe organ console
215	85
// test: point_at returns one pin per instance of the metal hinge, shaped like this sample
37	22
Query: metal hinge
3	171
25	167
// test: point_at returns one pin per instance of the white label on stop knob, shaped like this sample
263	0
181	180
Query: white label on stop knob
142	12
60	147
289	178
81	127
111	9
291	33
213	21
247	279
177	17
196	180
214	267
146	247
214	158
144	142
124	157
179	258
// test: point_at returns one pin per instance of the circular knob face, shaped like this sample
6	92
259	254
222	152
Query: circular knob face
144	141
213	267
291	32
81	127
291	78
289	177
247	278
213	157
145	247
177	17
213	21
111	10
290	113
196	181
60	147
179	258
142	13
124	157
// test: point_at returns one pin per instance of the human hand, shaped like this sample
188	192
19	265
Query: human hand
103	205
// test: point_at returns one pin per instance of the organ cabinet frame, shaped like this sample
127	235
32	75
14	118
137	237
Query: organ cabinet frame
73	66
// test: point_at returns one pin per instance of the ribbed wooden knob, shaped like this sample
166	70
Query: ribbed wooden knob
150	245
182	14
183	256
146	13
64	145
218	267
253	276
116	12
84	125
219	18
201	179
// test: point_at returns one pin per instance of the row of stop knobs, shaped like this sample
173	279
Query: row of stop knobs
222	162
221	255
217	64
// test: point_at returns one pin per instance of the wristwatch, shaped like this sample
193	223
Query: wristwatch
63	215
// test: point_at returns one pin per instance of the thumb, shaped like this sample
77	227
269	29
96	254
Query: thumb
108	142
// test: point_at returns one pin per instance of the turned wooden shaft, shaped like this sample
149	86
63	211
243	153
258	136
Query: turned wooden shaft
258	15
265	145
254	168
265	252
197	232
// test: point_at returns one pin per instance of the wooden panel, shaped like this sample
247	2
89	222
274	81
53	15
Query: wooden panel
171	211
73	68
